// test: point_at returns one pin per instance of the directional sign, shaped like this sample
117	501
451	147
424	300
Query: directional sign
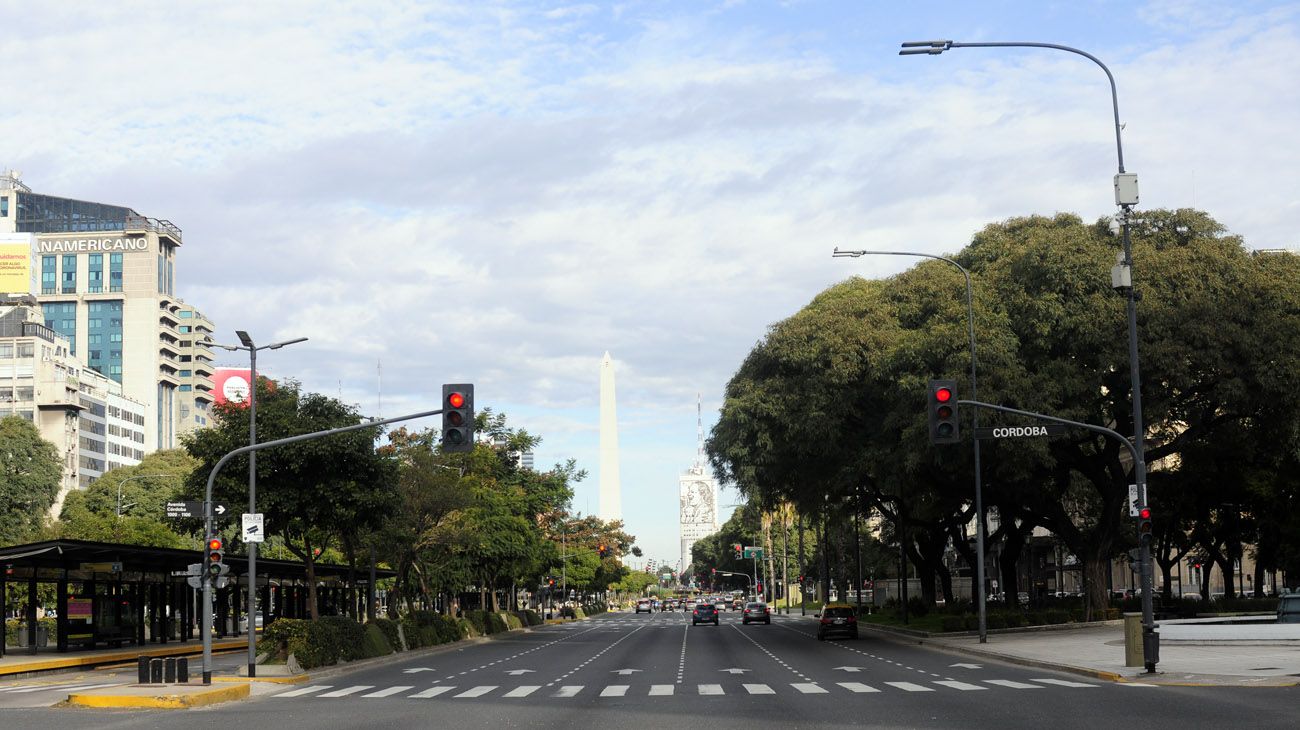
967	666
415	670
752	552
192	510
850	669
624	671
253	528
517	672
1013	432
734	670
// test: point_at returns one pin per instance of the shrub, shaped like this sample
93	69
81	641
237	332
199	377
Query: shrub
1058	617
327	640
1014	620
917	607
348	637
475	618
374	643
953	623
995	621
411	630
494	622
389	628
512	621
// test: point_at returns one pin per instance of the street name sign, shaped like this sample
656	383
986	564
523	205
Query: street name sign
752	552
102	567
253	527
1011	432
192	510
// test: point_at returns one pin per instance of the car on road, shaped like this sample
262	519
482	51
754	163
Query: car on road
690	605
643	606
837	620
704	613
738	604
756	611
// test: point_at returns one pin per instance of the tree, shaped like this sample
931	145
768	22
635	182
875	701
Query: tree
93	513
312	493
30	474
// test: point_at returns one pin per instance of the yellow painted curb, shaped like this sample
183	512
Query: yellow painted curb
128	657
277	680
163	702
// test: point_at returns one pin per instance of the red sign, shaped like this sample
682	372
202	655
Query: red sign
230	385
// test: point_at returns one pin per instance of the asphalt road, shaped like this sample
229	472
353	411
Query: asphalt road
637	671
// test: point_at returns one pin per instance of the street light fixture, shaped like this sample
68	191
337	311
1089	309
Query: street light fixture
1126	196
975	424
249	347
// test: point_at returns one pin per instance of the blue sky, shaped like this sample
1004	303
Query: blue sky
500	192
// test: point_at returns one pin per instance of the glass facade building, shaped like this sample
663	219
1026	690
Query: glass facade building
47	214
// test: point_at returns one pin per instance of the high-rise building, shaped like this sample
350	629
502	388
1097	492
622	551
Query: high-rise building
698	496
93	426
106	280
611	497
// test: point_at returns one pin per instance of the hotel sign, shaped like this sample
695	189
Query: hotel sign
91	245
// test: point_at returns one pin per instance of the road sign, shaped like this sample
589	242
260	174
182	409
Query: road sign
102	567
752	552
1011	432
1132	500
193	510
253	527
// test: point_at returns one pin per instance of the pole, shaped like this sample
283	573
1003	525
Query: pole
252	509
803	595
857	549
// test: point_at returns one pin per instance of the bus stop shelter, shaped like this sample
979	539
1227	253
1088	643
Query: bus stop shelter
108	595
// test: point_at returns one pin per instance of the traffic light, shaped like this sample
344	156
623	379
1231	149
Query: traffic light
1144	525
603	550
943	412
740	550
457	417
216	556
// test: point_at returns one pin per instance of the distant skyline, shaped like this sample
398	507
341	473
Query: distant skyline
498	192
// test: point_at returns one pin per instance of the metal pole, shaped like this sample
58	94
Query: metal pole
857	550
252	509
803	595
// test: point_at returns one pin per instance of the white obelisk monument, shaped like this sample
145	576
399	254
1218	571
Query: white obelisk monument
611	501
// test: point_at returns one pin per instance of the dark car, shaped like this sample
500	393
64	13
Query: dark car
837	621
705	613
756	611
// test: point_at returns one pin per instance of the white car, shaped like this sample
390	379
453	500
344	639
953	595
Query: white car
643	606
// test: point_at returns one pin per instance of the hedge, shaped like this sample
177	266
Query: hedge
327	640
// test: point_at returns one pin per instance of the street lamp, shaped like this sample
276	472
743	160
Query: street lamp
252	349
975	424
1126	196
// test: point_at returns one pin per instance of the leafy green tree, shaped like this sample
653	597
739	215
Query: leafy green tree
143	490
313	493
30	473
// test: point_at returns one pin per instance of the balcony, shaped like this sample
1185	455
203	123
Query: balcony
144	224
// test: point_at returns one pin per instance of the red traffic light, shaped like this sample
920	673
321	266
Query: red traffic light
1144	513
456	400
214	543
943	395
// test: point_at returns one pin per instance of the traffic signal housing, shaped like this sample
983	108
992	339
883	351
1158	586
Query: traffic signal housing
1144	526
942	410
739	549
457	417
603	550
216	556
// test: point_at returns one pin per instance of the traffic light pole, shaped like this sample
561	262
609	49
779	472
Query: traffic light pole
1150	637
207	508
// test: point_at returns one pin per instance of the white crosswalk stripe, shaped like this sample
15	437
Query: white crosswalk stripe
64	688
431	692
304	691
389	691
910	687
348	690
759	689
478	691
857	687
809	689
523	691
614	690
1065	683
963	686
1012	684
711	689
661	690
569	690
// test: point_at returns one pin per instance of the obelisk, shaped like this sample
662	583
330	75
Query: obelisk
611	501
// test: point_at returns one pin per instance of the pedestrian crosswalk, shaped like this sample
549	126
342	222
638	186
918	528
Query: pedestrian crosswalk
22	689
366	691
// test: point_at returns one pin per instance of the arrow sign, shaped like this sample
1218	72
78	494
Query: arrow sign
734	670
850	669
517	672
414	670
968	666
624	671
218	509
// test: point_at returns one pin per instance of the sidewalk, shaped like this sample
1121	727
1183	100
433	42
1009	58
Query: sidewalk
21	664
1098	651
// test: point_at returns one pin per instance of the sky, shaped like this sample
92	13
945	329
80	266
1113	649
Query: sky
500	192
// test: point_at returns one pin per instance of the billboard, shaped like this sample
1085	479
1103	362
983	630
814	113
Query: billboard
230	385
17	272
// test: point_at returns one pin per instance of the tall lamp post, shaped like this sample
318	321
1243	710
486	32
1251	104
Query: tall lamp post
975	424
252	349
1126	196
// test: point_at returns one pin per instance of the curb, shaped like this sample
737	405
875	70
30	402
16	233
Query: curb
162	702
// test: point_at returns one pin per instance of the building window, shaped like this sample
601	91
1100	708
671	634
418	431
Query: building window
185	373
70	274
185	388
115	272
101	329
62	318
4	206
49	274
95	285
186	314
185	328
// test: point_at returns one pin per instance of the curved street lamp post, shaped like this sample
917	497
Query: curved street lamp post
1126	196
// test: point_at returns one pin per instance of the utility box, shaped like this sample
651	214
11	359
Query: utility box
1133	640
1126	189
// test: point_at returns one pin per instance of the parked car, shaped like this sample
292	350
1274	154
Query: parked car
1288	608
756	611
837	619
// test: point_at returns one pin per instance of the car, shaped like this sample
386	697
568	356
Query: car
1288	608
837	619
690	604
643	606
704	613
738	604
756	611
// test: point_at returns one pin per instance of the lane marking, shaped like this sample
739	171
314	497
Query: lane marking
1012	684
963	686
614	690
711	689
348	690
809	688
909	687
478	691
859	687
569	690
305	690
759	689
1064	683
431	692
661	690
390	691
523	691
